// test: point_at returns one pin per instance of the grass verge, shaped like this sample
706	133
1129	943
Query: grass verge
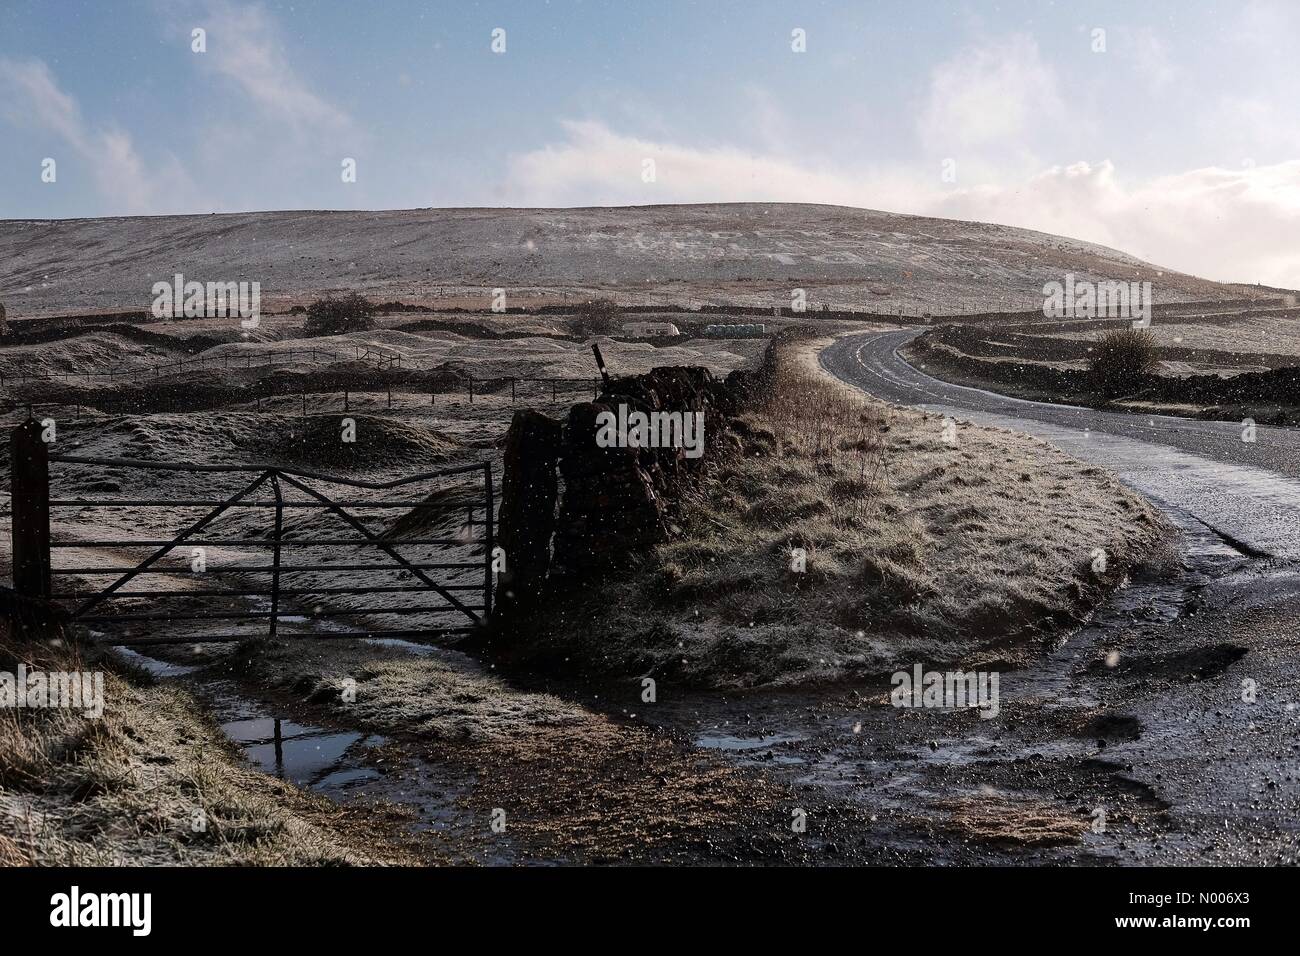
842	537
578	785
152	782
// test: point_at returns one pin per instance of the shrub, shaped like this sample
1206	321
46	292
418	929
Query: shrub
1123	360
597	317
334	315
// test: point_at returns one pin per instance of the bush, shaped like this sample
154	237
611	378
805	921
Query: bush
1123	360
334	315
597	317
4	321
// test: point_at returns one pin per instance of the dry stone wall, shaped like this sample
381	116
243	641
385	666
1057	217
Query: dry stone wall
617	499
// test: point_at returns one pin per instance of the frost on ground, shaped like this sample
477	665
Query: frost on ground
154	783
844	538
685	254
578	784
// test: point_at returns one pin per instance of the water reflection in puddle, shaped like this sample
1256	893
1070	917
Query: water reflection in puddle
728	742
343	765
151	664
307	756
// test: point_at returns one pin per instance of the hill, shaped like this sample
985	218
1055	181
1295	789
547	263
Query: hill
753	253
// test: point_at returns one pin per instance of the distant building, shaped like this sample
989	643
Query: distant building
741	331
650	330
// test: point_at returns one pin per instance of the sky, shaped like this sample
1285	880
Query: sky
1169	129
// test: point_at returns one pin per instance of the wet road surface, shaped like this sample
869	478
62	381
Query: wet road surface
1247	491
1166	730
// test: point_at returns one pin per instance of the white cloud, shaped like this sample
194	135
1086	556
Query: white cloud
245	47
990	103
32	97
594	161
1231	225
32	94
1149	56
1239	225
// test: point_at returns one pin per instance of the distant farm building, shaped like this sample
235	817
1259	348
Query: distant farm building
741	331
651	330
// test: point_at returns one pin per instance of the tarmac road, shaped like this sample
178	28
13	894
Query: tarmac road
1248	492
1165	730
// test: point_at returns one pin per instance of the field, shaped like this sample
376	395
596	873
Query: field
922	539
1226	365
1222	344
432	738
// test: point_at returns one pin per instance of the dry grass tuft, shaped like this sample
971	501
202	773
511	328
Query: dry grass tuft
1025	823
124	789
923	540
812	419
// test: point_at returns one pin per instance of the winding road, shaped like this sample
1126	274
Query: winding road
1169	723
1247	492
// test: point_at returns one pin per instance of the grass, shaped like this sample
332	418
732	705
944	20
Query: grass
126	789
578	785
925	540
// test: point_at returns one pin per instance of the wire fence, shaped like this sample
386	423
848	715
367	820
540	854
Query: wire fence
318	400
204	361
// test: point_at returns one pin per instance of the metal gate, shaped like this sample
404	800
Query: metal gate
232	552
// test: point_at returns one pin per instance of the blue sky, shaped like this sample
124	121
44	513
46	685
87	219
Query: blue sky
1180	141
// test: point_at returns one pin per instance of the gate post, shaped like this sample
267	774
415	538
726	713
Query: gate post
491	544
275	554
29	459
526	523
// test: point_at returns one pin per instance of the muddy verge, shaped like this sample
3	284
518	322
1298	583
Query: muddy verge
476	769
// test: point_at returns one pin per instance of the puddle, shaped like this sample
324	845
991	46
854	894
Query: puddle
151	664
327	624
1206	557
898	766
341	765
342	779
458	659
303	755
424	650
727	742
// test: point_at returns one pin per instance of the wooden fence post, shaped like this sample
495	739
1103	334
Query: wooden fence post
29	488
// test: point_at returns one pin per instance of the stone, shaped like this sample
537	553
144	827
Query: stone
526	518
